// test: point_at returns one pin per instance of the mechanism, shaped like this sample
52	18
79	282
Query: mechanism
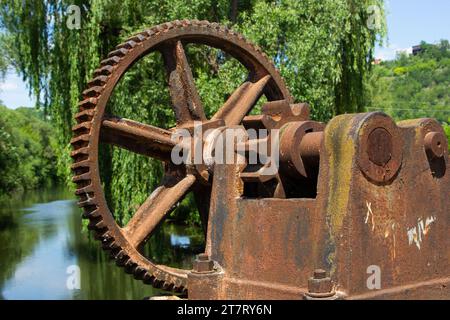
358	198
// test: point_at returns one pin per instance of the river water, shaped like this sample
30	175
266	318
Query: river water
46	254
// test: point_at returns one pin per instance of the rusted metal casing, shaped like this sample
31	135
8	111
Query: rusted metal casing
382	201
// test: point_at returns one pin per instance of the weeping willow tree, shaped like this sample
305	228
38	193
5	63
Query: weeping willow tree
323	49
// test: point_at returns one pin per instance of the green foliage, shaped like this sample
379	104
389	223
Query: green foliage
415	86
3	65
27	159
322	48
447	132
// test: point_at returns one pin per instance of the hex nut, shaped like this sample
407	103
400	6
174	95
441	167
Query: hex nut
320	283
203	263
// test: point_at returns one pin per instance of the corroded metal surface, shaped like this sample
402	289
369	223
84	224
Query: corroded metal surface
269	248
359	193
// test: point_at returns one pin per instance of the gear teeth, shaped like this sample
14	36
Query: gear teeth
121	258
87	112
83	190
87	202
127	45
139	273
130	267
110	61
149	33
81	128
113	245
82	177
178	286
186	22
88	214
137	38
85	115
157	29
80	139
78	152
168	286
98	234
106	246
177	23
215	25
81	164
89	103
98	81
92	92
168	25
114	252
121	52
148	278
157	283
107	240
96	224
104	71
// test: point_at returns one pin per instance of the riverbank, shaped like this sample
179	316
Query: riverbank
43	245
27	150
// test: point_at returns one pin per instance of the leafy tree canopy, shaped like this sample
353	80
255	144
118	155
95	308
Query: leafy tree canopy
323	49
411	87
27	143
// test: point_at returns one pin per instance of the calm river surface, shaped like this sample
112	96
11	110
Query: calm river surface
42	242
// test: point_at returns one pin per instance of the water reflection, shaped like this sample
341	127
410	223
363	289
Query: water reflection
41	236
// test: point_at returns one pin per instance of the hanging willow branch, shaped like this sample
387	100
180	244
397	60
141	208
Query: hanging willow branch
323	49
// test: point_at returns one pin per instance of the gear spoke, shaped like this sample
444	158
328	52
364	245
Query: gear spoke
137	137
183	92
156	208
240	103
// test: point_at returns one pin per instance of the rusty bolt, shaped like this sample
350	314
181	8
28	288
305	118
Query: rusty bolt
203	263
435	144
379	146
300	109
320	274
320	283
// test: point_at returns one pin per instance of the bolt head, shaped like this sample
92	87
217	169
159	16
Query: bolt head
320	274
203	263
320	283
202	257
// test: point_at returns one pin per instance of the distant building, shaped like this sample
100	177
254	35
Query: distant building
416	50
407	51
377	61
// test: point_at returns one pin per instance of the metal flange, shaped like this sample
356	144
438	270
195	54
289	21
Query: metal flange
379	148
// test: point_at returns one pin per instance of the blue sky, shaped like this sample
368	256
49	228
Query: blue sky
14	93
409	22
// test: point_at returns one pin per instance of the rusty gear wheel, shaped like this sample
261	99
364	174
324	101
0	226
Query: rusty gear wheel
94	127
